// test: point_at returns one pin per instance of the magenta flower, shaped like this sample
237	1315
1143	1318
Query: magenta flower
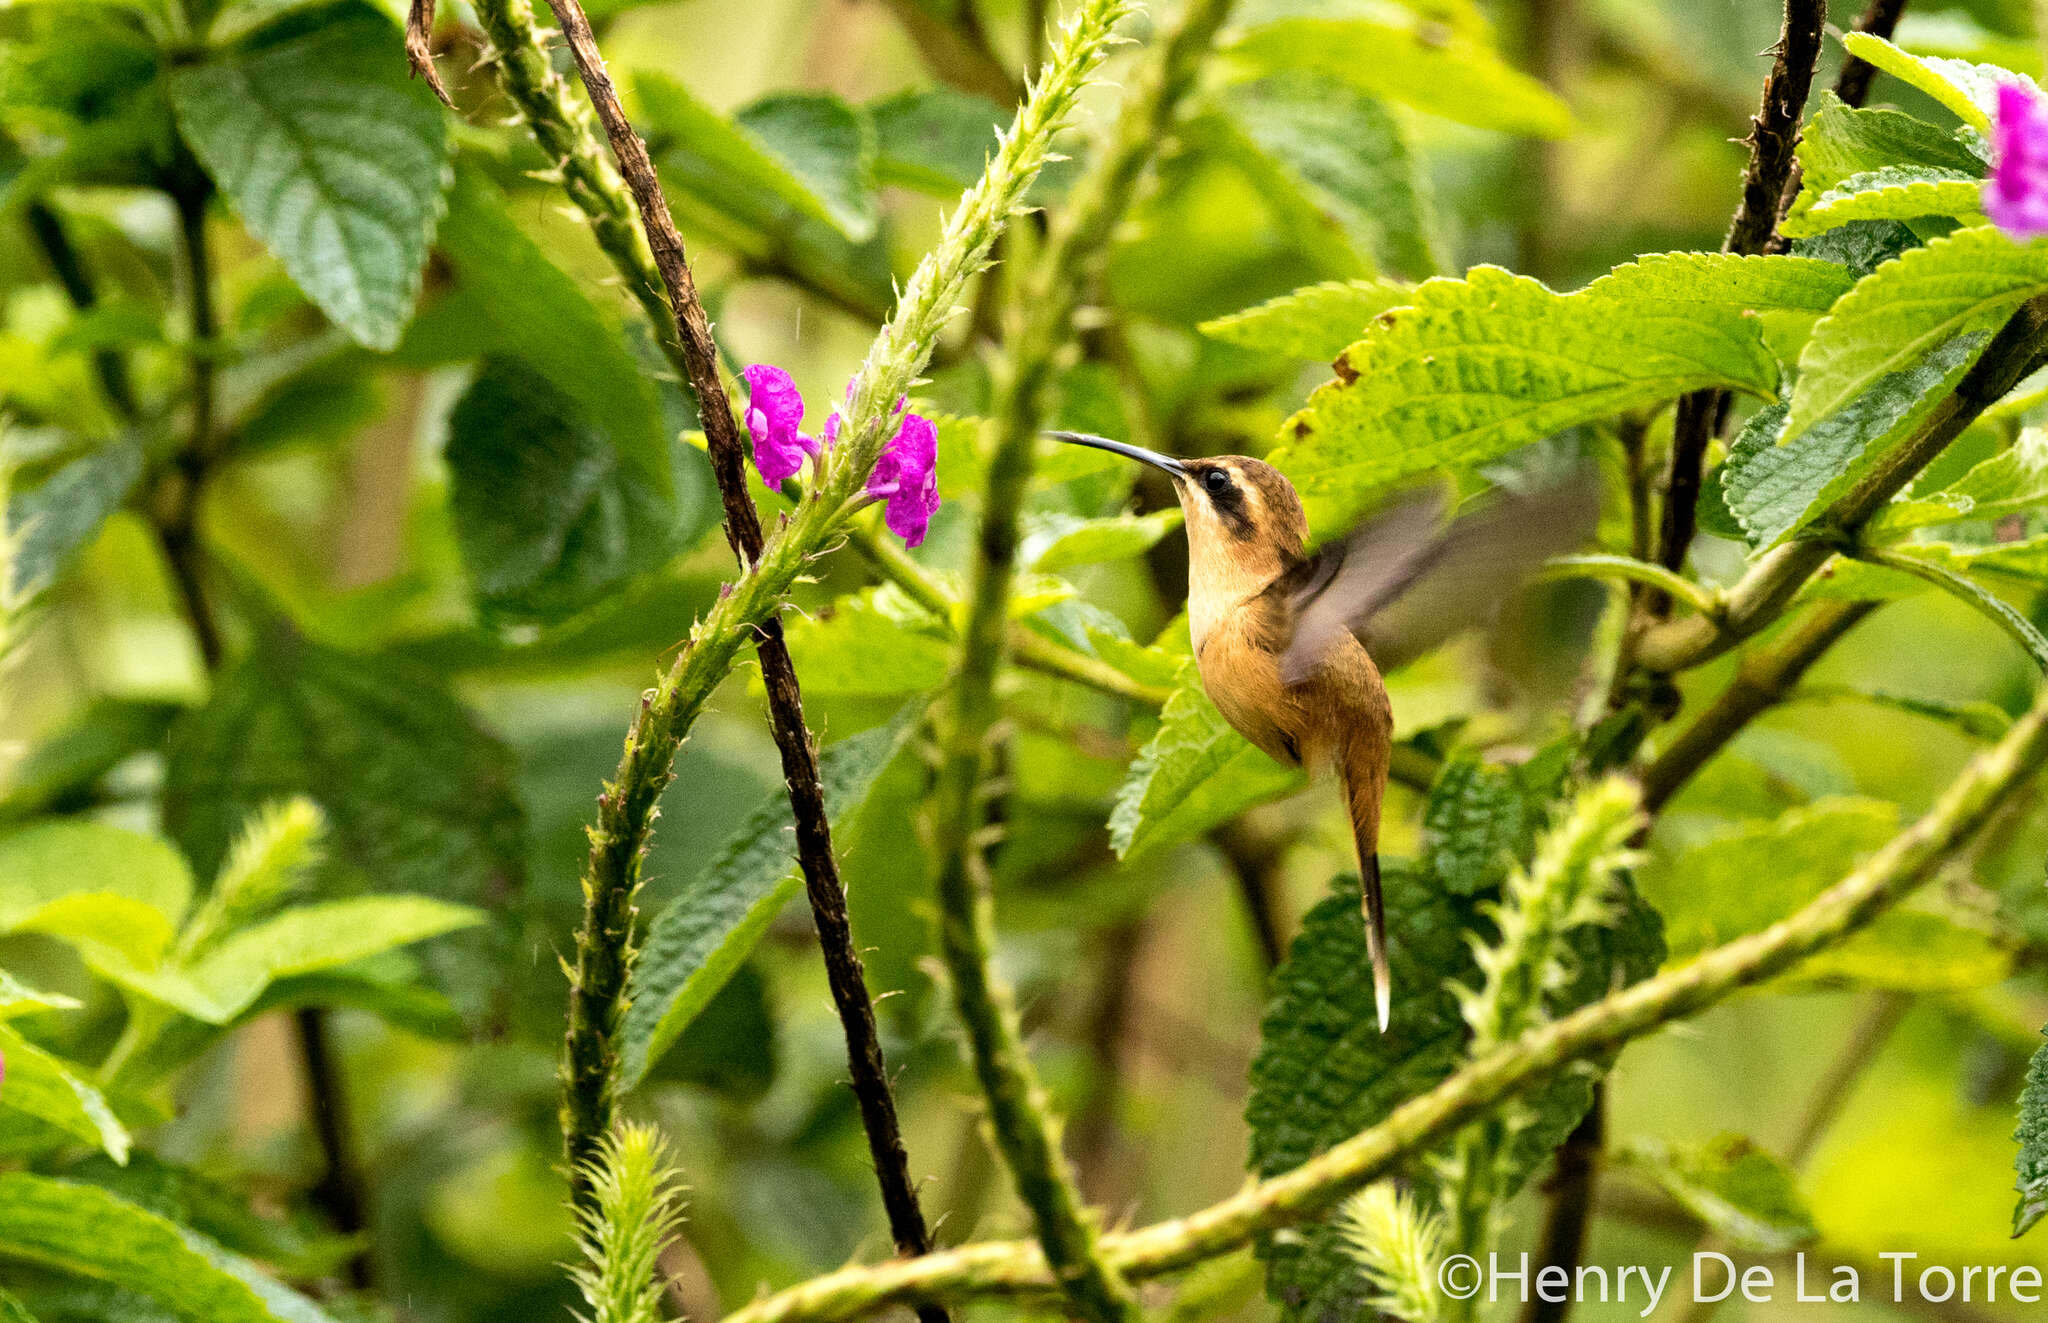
2016	195
775	408
907	477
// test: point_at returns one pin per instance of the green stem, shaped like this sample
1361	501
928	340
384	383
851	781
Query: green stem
1601	565
1025	1130
1887	877
626	809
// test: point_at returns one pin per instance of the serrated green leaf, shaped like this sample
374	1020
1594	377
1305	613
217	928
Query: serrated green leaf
1324	1071
1347	160
1481	818
535	312
1195	773
1055	542
58	1093
1969	90
1859	246
53	520
2031	1162
307	939
1896	192
1318	322
1414	60
2013	481
875	642
701	938
936	141
1756	874
192	1199
99	887
828	145
1743	1194
418	796
767	147
550	515
81	1229
1841	141
1774	487
1479	366
332	157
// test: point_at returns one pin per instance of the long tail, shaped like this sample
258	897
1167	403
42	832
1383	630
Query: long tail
1376	937
1363	766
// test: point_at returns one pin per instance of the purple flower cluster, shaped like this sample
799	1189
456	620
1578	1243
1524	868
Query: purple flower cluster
906	475
2016	195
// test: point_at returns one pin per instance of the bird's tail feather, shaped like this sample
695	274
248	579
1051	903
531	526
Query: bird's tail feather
1376	937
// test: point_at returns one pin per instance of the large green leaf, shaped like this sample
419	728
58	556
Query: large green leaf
1897	315
2032	1137
1482	818
227	980
57	1093
1742	1193
1414	60
418	796
875	642
1969	90
1761	872
1842	141
536	312
51	521
102	887
82	1229
333	157
550	515
1773	488
1896	192
811	152
1347	161
1195	773
701	938
1055	542
1479	366
1325	1071
198	1202
1319	322
936	140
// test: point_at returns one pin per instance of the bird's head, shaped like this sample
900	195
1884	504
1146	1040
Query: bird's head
1244	521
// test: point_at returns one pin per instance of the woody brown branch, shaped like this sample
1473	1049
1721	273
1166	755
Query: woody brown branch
785	700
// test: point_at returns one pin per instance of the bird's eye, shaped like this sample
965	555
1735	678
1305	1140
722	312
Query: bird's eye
1215	481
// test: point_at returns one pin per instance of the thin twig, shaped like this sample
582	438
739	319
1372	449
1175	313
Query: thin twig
1887	877
1852	84
1763	679
1773	130
590	1103
339	1191
1762	594
47	228
959	53
1569	1194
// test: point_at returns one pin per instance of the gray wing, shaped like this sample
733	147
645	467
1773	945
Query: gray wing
1403	581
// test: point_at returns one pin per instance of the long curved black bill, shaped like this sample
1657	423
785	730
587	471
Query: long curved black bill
1158	461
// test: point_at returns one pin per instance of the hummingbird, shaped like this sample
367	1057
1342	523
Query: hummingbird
1291	643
